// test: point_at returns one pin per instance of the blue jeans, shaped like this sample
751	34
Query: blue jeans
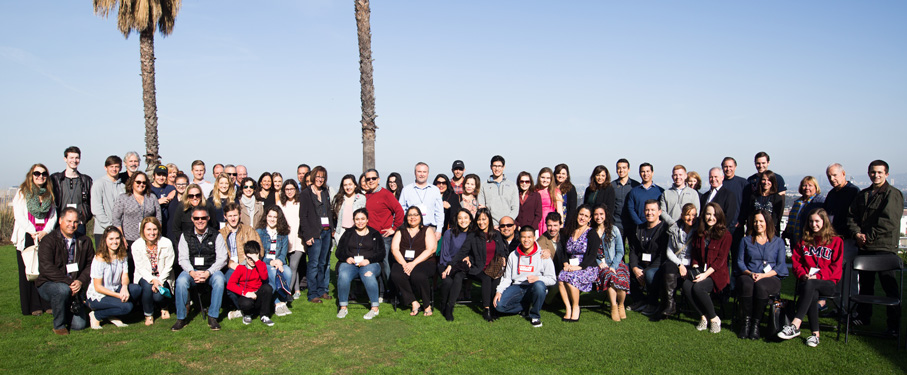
346	273
60	297
287	274
111	306
318	254
518	298
184	282
150	300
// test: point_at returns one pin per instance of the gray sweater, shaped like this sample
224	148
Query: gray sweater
501	198
128	213
673	200
104	195
533	265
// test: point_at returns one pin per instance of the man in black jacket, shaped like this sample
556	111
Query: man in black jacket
647	252
724	197
73	189
65	268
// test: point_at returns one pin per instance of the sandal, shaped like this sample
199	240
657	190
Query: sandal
415	310
165	314
149	320
428	311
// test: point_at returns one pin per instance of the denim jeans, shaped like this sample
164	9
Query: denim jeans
60	297
276	291
184	282
346	273
150	300
517	298
111	306
386	265
318	253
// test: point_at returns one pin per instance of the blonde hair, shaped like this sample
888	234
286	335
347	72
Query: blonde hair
811	180
184	198
150	220
216	194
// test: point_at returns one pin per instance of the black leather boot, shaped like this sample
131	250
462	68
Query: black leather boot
758	313
745	325
754	330
670	308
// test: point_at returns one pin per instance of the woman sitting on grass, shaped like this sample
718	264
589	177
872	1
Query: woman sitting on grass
817	260
708	273
110	292
578	255
153	257
360	252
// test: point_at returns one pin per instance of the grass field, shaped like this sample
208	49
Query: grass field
312	340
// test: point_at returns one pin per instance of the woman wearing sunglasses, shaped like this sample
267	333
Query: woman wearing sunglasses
33	209
134	205
181	220
530	202
251	207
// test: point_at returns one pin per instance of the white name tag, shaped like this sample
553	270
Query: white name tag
813	271
423	208
273	245
409	254
325	222
271	256
40	221
358	259
646	257
574	261
222	225
72	267
525	268
71	205
234	259
199	261
766	268
685	262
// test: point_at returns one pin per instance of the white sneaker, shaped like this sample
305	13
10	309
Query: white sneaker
715	327
812	341
297	295
234	314
279	309
703	325
286	310
267	321
342	313
788	332
247	319
370	314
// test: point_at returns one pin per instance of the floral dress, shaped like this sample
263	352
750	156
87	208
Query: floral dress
585	278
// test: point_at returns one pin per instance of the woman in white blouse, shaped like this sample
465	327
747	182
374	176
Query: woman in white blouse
153	256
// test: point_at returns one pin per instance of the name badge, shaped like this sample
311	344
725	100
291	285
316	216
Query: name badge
199	261
72	267
358	259
234	259
40	221
525	268
271	256
685	262
646	257
273	245
409	254
423	208
813	271
222	225
72	205
766	268
574	261
325	222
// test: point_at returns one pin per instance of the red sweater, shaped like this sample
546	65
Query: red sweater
244	280
384	211
828	259
715	256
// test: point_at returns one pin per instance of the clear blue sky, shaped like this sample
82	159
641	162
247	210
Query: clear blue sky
540	82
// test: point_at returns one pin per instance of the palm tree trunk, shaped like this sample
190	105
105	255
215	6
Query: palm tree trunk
149	98
367	94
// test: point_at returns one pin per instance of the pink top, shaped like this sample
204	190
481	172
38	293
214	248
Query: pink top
547	207
346	215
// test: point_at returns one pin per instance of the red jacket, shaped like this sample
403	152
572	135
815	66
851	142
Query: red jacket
384	211
244	280
828	259
714	256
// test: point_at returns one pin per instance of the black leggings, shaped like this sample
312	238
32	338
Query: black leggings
699	296
450	287
419	279
810	291
262	302
759	290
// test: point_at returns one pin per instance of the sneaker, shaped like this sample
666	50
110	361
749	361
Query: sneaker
788	332
812	341
297	295
213	324
342	313
279	310
370	314
247	319
286	309
267	321
234	314
703	325
536	323
715	327
178	325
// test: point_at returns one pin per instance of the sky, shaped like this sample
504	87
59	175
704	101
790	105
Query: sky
539	82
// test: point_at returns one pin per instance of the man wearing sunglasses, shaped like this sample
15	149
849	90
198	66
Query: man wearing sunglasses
508	230
500	195
385	215
202	254
73	189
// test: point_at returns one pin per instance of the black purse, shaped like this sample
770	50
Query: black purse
694	272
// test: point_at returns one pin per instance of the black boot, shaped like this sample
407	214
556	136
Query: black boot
487	315
758	313
745	325
754	330
670	308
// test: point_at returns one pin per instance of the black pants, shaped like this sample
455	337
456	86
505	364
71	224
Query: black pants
29	299
699	296
808	302
889	285
769	286
262	302
419	279
450	287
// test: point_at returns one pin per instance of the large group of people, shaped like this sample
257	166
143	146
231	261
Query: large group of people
161	239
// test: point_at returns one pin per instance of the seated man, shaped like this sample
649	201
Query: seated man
648	246
202	255
64	264
526	279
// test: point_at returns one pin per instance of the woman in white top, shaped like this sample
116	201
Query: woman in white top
35	216
289	204
153	256
345	202
109	293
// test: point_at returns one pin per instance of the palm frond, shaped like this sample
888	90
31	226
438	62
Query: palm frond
139	15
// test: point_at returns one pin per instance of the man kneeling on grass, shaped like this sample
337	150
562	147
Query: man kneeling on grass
526	279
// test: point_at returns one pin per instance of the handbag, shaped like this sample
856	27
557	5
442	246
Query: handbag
780	316
30	259
495	269
164	290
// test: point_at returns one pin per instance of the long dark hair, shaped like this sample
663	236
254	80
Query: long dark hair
283	228
595	186
565	186
399	180
447	192
258	184
824	235
715	231
102	250
573	221
519	177
769	225
771	178
455	228
337	202
478	231
283	193
608	224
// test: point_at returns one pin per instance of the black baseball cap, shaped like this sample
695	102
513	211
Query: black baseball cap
457	164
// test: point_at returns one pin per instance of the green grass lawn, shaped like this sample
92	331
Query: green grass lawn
312	340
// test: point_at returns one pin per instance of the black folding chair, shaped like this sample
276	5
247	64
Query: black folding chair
877	263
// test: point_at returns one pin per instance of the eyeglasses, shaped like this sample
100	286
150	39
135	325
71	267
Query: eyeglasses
199	218
414	215
507	225
231	174
194	196
39	174
139	182
289	188
248	187
525	182
370	179
497	166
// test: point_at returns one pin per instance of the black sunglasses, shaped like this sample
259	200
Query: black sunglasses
249	187
199	218
506	225
440	182
139	182
39	174
370	179
231	174
194	196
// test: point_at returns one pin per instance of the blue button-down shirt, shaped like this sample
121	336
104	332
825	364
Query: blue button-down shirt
429	201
